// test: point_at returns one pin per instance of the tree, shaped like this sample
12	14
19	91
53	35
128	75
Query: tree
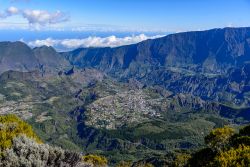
240	140
219	138
239	157
96	160
181	159
245	131
225	149
201	158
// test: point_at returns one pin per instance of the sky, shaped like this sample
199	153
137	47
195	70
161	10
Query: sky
83	23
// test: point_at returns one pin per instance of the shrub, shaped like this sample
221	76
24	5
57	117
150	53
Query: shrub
225	149
20	146
124	164
241	140
181	160
239	157
95	160
245	131
201	158
26	152
10	127
219	138
143	165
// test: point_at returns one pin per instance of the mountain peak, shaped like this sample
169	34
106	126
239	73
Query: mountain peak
16	56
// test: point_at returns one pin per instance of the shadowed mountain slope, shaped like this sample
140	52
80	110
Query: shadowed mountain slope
214	51
17	56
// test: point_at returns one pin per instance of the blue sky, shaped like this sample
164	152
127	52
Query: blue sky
166	15
83	18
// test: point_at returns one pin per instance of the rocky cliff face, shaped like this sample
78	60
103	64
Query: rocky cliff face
205	63
17	56
49	59
213	51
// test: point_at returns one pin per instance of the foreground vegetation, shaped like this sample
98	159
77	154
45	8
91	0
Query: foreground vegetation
225	148
20	146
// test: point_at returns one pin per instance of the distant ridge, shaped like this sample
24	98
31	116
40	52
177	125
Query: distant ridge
213	51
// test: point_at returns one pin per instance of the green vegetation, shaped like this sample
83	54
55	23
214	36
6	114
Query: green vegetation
144	165
124	164
97	161
26	152
20	146
218	139
224	149
235	157
153	123
181	159
10	127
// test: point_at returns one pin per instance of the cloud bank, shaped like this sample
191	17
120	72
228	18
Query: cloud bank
111	41
36	18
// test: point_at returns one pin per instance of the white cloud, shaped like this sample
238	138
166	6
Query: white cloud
43	17
37	18
9	12
46	42
47	20
111	41
12	11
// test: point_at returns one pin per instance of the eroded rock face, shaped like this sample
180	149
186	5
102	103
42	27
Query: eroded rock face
212	65
212	51
17	56
49	60
209	64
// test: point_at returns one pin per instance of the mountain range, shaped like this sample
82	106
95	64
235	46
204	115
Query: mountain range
213	51
137	100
